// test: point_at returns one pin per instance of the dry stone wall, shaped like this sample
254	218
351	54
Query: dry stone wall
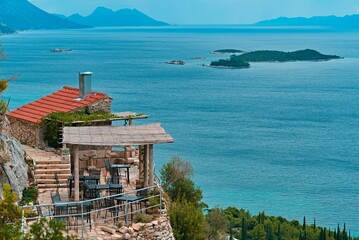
26	132
159	229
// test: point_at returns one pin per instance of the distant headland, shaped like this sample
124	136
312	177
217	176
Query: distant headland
345	22
242	60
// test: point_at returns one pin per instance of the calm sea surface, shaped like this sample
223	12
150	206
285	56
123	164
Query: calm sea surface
278	137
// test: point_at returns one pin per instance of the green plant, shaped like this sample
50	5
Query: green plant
53	122
29	194
48	230
142	218
10	215
187	220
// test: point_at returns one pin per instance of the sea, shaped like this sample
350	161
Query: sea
277	137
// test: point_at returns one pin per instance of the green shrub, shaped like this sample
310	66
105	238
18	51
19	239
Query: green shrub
29	194
142	218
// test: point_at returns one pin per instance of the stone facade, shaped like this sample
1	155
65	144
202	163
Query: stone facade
27	132
32	134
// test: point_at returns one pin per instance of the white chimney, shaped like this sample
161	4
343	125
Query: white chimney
85	84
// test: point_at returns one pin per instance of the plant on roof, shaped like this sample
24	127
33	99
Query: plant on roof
54	121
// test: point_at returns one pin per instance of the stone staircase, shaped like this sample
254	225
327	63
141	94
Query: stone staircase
46	165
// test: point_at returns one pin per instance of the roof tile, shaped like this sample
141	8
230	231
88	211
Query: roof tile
60	101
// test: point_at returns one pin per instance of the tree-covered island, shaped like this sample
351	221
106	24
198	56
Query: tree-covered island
227	50
242	61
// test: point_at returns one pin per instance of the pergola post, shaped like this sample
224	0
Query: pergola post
140	162
151	166
145	166
76	173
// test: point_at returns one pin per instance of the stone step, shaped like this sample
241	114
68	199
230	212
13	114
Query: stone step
53	161
51	176
53	166
52	171
49	186
47	180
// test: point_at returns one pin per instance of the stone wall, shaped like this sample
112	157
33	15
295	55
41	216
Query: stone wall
159	229
104	104
26	132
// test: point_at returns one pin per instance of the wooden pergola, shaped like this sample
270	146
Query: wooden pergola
142	135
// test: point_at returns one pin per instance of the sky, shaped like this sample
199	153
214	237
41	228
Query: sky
209	11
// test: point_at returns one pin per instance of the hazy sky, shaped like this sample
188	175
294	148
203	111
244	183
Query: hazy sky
209	11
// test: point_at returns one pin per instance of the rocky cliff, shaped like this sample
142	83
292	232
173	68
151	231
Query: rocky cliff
13	169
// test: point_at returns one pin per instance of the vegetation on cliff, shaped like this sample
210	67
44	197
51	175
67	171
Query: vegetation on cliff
188	220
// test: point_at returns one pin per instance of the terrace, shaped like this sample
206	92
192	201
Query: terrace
103	199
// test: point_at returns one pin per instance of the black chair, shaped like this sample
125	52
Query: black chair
112	208
61	214
94	172
83	212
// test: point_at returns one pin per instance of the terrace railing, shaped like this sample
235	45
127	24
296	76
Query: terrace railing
85	214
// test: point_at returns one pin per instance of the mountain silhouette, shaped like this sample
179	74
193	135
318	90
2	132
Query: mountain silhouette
349	21
124	17
22	15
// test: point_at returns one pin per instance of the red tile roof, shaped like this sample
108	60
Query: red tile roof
60	101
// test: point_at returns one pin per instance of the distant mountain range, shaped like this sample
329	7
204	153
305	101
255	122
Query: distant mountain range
347	22
124	17
22	15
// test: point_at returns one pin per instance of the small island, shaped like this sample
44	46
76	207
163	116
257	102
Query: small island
229	50
176	62
229	63
60	50
243	60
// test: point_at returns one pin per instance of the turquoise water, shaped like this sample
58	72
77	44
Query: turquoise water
278	137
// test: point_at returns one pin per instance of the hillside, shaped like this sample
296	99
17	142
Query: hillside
22	15
123	17
349	21
5	30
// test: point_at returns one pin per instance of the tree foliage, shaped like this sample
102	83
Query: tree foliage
187	220
186	215
10	215
217	224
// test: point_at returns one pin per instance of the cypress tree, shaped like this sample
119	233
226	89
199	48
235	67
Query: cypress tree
321	237
344	234
279	233
244	230
325	234
338	232
304	223
300	235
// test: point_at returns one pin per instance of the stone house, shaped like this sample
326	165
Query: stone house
26	120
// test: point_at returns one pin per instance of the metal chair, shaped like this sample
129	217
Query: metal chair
83	212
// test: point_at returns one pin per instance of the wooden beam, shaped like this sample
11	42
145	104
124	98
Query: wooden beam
76	173
150	166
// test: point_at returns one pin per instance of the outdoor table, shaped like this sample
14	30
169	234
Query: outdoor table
129	200
117	167
82	178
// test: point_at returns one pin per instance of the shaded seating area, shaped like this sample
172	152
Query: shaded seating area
143	136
